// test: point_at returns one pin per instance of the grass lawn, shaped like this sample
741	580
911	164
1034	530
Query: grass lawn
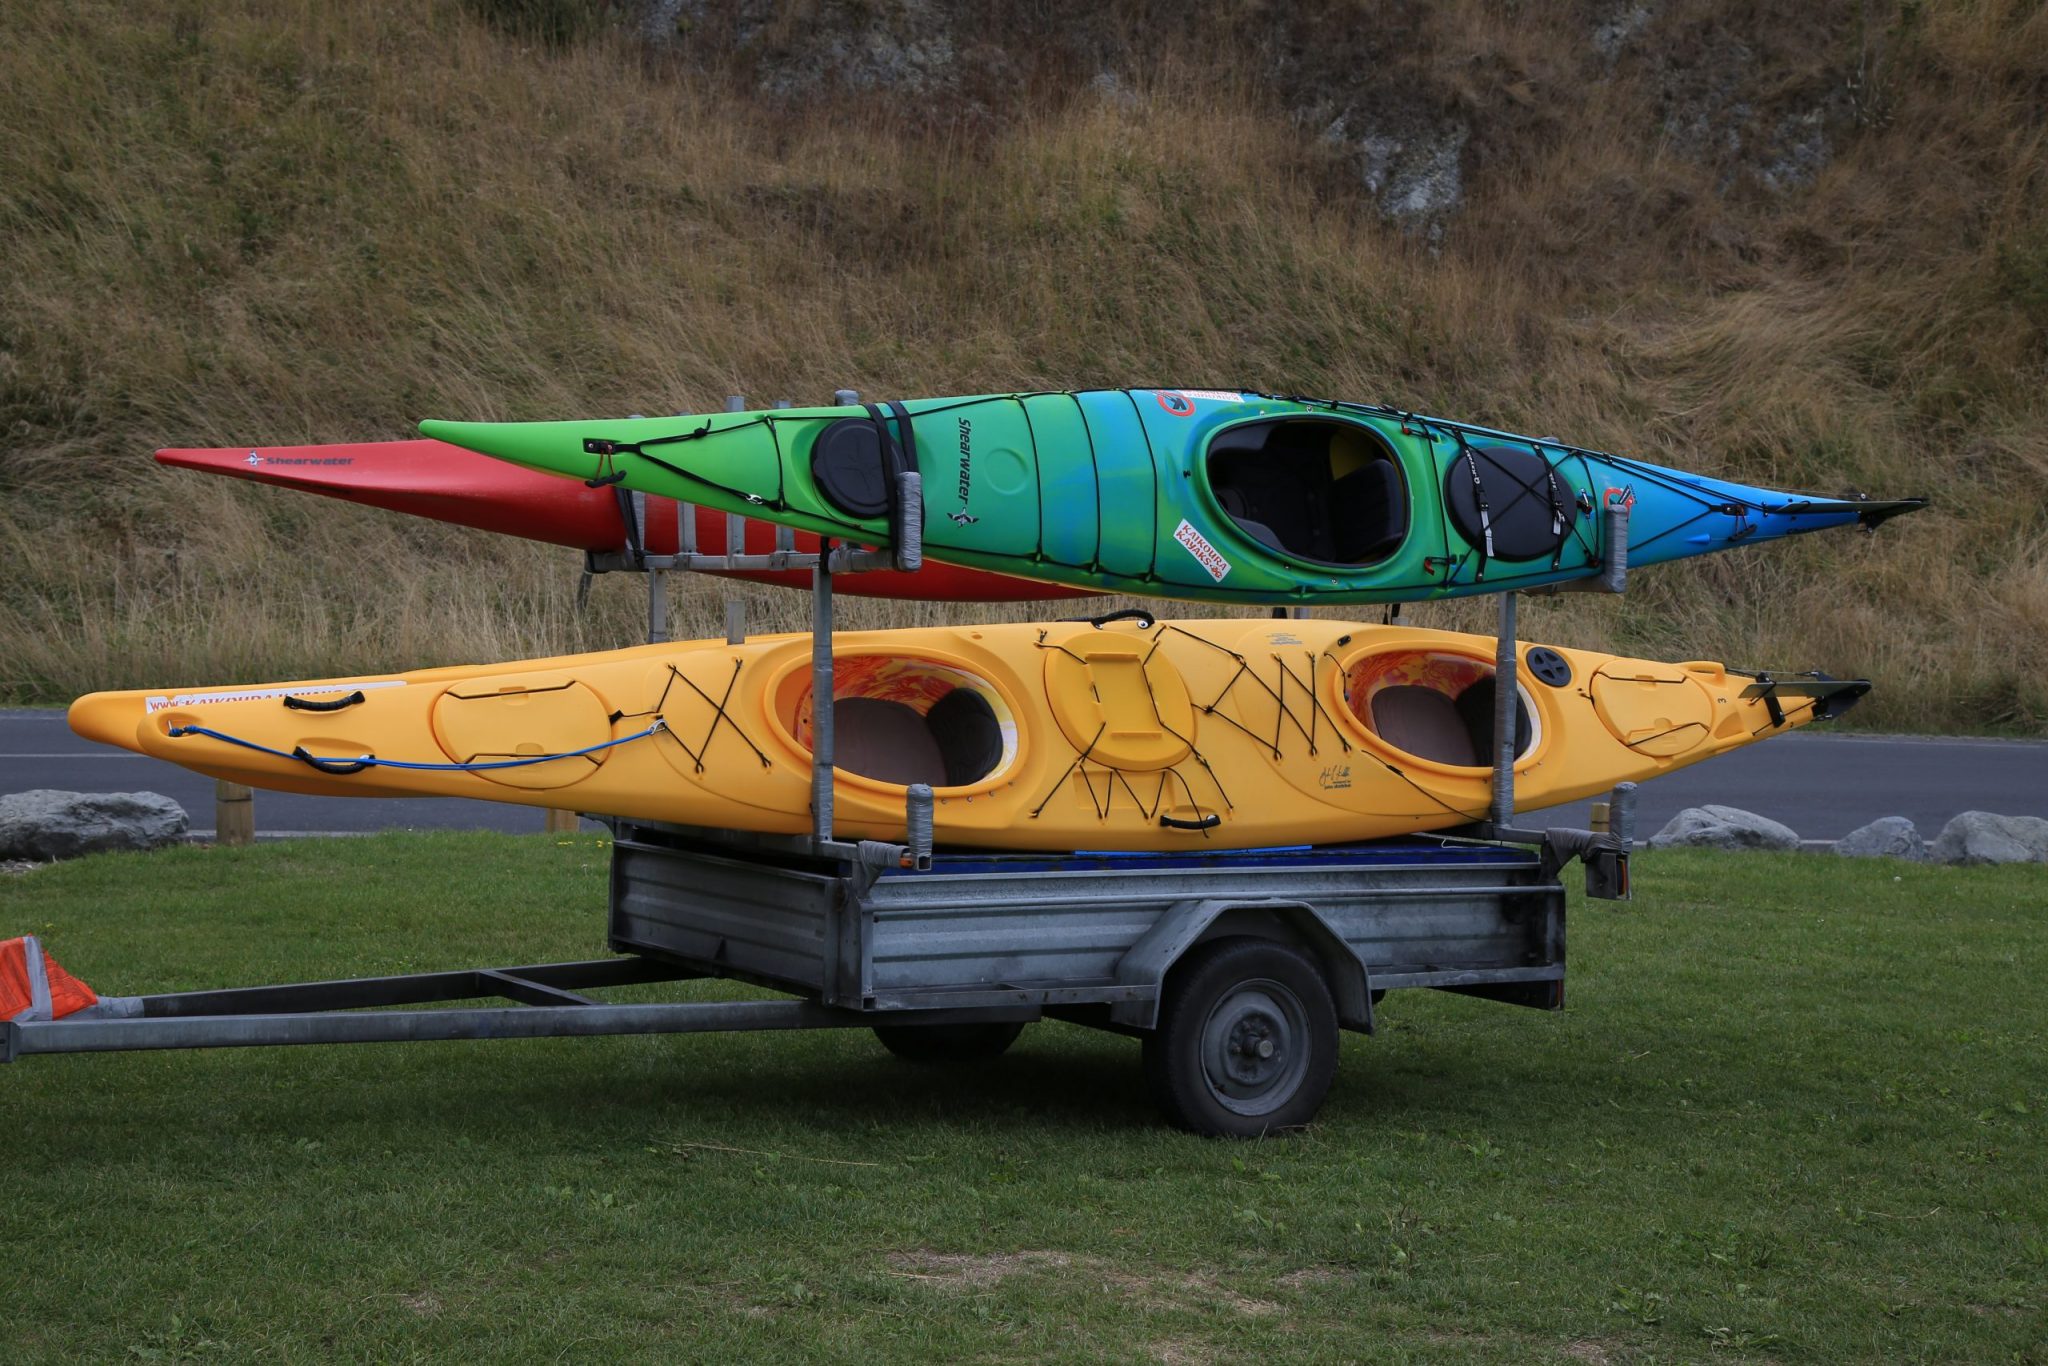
1793	1112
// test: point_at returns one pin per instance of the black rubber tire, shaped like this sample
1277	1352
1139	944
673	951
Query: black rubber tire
944	1045
1224	999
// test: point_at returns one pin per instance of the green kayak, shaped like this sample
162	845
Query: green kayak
1182	493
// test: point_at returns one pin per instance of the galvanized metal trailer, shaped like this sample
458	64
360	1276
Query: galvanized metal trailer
1237	968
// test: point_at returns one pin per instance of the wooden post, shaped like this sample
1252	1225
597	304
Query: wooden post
555	822
1597	818
234	813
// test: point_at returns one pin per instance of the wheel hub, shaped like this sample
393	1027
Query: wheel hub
1252	1053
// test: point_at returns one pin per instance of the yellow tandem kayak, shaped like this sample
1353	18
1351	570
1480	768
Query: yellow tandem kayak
1058	736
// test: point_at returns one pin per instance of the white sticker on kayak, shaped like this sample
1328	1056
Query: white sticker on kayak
1181	402
200	699
1206	555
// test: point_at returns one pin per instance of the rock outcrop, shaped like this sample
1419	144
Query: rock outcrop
1885	837
1723	827
44	824
1984	837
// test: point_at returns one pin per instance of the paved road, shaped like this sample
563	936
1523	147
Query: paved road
38	750
1822	785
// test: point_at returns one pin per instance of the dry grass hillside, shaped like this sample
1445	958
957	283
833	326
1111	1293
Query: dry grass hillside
1792	243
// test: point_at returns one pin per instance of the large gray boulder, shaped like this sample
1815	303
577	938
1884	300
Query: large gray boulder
1885	837
1983	837
1723	827
44	824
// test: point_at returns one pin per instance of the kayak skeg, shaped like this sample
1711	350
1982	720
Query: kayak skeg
1184	493
445	483
1147	735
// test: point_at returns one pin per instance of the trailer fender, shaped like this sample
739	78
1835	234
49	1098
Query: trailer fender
1188	923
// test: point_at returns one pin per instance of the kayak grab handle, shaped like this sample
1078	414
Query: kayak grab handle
338	704
1137	614
339	767
1206	823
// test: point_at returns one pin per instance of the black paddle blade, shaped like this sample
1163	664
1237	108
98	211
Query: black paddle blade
1877	514
1870	513
1830	696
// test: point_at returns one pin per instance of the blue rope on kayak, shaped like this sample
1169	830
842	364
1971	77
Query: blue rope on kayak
339	765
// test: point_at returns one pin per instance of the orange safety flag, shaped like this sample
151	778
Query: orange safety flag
30	978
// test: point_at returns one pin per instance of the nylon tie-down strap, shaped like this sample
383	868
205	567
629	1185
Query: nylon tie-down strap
897	458
1478	496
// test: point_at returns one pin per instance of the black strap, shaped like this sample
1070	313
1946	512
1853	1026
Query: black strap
624	498
1485	547
897	458
896	509
338	704
909	437
1557	517
1766	687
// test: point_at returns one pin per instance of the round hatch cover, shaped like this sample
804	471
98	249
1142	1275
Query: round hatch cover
1548	666
846	460
1517	486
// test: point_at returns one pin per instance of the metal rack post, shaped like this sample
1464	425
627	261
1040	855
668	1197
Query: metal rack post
831	559
1612	577
1506	709
821	696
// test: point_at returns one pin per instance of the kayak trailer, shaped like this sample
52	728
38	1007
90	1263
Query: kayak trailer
1237	969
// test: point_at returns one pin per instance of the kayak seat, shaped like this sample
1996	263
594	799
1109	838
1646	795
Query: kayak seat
1234	504
1425	723
969	737
1276	481
1475	708
886	741
1278	496
1367	517
957	743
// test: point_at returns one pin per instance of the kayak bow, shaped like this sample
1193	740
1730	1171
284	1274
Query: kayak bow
445	483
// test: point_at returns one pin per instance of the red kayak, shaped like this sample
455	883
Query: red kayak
449	484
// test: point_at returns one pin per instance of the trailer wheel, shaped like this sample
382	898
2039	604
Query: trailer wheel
1246	1042
955	1043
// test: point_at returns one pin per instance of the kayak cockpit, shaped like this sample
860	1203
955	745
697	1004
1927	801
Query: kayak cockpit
903	720
1433	705
1312	488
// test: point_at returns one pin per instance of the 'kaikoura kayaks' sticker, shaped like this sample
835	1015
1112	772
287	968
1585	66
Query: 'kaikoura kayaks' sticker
200	699
1206	555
